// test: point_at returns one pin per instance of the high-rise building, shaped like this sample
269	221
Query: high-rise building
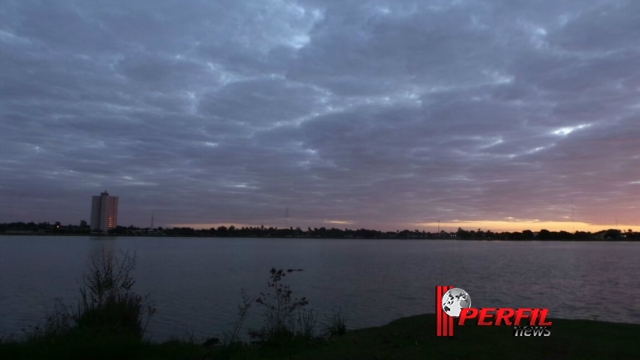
104	212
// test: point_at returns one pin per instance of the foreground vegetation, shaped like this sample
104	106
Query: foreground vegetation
406	338
413	338
109	322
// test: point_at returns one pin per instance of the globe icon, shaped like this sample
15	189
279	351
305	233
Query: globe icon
454	300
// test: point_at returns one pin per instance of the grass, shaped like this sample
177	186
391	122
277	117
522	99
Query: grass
85	345
414	338
406	338
336	325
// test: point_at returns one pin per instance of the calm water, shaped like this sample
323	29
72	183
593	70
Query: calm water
195	283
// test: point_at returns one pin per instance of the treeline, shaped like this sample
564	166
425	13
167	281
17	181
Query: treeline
44	228
331	233
610	234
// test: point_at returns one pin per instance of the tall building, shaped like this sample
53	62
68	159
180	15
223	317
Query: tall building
104	212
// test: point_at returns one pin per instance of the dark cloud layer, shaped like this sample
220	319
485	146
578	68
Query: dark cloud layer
382	114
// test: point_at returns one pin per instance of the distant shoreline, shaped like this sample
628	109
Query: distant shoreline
324	238
47	229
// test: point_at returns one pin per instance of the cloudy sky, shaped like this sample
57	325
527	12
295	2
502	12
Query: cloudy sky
499	114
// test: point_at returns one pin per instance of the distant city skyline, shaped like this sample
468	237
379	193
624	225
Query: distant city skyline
383	115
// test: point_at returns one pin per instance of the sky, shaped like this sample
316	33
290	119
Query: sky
499	115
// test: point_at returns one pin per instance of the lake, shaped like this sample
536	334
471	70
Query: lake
195	283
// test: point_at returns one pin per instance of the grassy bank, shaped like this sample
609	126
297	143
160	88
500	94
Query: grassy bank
406	338
77	346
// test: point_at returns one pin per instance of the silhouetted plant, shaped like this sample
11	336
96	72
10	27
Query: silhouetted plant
306	324
336	325
280	308
58	322
243	309
108	303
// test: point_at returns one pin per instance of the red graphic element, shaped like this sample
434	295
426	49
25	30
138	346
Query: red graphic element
444	322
